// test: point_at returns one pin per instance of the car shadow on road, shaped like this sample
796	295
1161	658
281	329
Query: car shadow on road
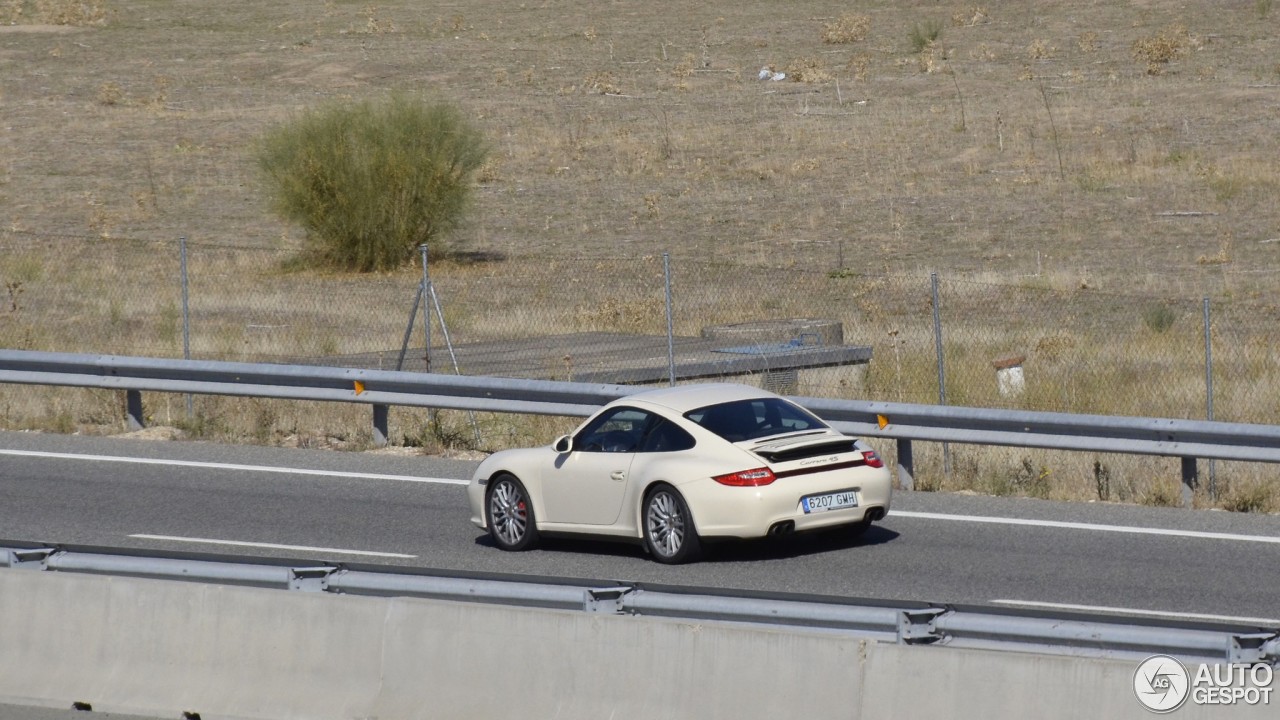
728	551
799	545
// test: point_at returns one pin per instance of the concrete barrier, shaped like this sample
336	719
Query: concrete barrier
161	648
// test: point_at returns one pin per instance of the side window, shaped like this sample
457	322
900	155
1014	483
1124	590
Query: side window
666	436
618	431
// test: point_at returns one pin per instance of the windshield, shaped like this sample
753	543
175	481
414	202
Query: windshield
756	418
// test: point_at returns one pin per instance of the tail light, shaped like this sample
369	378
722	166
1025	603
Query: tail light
872	459
747	478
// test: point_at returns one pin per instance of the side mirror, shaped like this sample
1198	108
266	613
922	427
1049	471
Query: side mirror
563	444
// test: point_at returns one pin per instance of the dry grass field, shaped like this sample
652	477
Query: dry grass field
1068	168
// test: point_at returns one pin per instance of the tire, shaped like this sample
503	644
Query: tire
669	534
509	514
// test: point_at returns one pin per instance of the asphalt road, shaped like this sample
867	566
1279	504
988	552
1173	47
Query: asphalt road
394	509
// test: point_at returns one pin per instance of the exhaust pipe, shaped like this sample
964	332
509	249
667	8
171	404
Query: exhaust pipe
786	527
876	513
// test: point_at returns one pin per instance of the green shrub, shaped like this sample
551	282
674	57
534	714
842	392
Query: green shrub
925	34
1159	318
371	181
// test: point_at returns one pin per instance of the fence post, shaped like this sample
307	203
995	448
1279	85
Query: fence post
408	331
426	315
448	344
671	339
186	317
1208	393
942	375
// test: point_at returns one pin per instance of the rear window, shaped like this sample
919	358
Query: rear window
752	419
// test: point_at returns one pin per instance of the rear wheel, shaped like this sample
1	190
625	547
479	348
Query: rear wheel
509	514
669	533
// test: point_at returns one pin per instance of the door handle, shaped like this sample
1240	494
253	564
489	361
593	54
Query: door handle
618	475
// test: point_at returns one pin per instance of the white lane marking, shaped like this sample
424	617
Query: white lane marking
272	546
233	466
1131	611
1087	526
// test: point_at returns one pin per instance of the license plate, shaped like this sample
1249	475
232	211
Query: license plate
829	501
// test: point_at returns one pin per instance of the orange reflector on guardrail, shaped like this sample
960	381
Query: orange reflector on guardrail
882	420
360	388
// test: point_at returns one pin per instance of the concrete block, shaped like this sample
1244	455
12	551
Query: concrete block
488	661
160	647
909	682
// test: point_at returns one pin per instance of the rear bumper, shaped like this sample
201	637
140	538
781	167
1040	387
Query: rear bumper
733	512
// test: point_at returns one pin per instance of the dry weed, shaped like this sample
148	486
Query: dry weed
983	53
1157	51
375	25
970	17
1055	347
1040	49
75	13
686	66
1222	257
808	70
859	66
602	83
110	94
846	29
620	314
932	59
1260	497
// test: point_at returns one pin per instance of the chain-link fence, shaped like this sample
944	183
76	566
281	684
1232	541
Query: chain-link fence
830	332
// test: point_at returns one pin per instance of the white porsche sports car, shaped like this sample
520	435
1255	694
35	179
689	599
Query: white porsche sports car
672	467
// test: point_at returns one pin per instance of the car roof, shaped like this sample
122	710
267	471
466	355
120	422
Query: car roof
683	398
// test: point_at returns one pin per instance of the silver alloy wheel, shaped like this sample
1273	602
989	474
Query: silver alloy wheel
665	522
509	512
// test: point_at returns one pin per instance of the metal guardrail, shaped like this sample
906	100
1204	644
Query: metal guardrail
1072	634
904	423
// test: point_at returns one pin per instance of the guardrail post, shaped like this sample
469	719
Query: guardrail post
133	409
380	414
918	627
1189	481
906	465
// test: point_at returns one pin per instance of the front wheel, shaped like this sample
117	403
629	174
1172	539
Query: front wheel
669	533
509	514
